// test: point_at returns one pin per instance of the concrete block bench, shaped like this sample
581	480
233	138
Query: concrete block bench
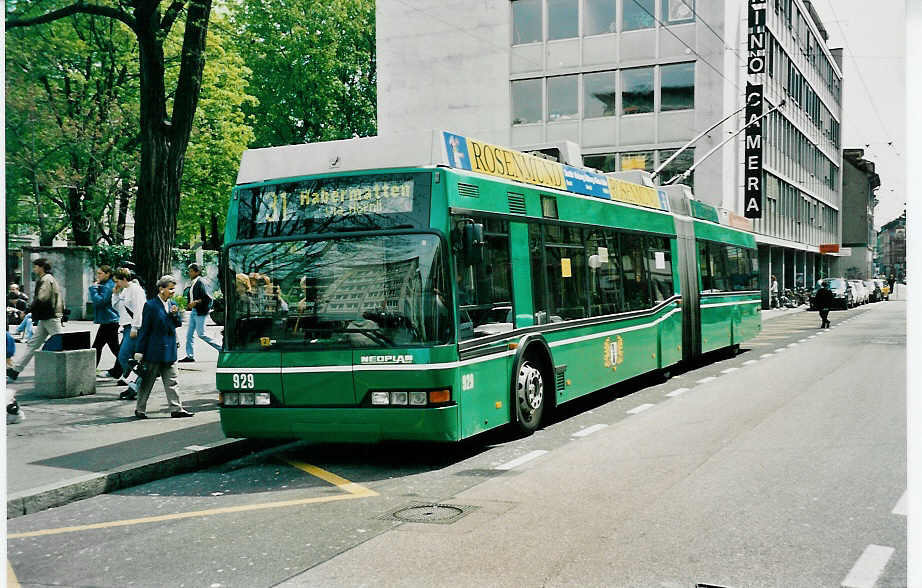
64	374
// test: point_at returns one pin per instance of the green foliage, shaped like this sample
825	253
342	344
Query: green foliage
220	134
314	71
111	255
72	120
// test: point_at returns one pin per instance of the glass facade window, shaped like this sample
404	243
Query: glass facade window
526	22
677	166
599	17
637	90
678	11
562	97
605	162
562	19
638	14
526	102
677	86
599	94
637	160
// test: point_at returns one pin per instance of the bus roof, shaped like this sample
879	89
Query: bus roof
361	153
443	148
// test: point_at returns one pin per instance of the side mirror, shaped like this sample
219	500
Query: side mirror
473	243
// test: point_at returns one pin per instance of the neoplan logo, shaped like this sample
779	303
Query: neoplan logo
374	359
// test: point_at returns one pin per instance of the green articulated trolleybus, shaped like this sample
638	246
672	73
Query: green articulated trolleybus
432	287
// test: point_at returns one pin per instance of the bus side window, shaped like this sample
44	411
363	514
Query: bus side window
604	259
719	261
636	283
659	264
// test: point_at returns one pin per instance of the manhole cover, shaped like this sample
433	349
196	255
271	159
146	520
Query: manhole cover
429	513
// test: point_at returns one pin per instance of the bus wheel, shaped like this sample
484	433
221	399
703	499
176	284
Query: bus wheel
529	401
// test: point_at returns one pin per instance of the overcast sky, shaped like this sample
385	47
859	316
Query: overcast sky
874	97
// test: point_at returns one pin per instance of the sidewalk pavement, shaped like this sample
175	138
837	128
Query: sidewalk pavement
774	313
68	449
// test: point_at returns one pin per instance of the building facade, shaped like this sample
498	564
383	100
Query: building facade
859	197
891	248
631	81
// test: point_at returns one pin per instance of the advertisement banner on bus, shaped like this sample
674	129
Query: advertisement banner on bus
469	154
634	194
585	182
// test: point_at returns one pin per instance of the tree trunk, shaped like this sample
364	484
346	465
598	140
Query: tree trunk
164	142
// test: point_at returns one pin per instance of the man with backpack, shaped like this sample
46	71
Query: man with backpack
199	304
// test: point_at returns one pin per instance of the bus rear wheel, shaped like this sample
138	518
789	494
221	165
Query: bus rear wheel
529	397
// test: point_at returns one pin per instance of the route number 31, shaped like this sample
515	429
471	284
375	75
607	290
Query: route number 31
243	380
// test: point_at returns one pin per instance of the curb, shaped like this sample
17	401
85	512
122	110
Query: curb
132	474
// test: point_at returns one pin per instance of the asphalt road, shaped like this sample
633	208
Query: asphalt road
785	469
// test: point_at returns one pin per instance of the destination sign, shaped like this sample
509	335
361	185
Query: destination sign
333	198
318	205
468	154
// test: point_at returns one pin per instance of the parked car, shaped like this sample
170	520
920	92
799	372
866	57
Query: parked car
860	295
884	288
841	292
874	293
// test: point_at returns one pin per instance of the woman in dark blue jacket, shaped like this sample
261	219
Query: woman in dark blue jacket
106	317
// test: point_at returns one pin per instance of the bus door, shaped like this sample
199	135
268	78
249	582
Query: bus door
688	283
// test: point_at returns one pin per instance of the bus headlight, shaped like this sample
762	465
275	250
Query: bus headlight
247	398
263	399
418	398
399	398
231	399
380	398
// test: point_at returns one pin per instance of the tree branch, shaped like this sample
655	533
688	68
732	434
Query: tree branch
172	13
189	82
75	8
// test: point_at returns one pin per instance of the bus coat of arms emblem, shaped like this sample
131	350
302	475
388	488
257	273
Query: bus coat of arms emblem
614	352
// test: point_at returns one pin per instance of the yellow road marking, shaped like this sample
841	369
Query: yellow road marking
341	483
352	491
11	581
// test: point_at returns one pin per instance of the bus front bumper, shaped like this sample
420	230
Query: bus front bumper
343	425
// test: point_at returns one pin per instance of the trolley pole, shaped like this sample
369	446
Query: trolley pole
695	140
688	172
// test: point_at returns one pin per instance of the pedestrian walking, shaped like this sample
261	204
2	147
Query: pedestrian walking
156	347
824	300
773	293
47	309
128	300
199	299
106	317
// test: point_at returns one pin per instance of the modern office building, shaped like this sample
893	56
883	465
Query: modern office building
631	81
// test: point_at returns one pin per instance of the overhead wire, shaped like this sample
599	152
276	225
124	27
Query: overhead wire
861	77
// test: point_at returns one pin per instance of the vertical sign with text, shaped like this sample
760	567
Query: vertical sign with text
752	151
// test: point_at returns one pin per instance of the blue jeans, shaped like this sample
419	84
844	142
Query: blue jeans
25	327
197	326
126	350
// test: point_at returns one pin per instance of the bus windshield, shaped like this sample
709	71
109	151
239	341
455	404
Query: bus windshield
342	293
